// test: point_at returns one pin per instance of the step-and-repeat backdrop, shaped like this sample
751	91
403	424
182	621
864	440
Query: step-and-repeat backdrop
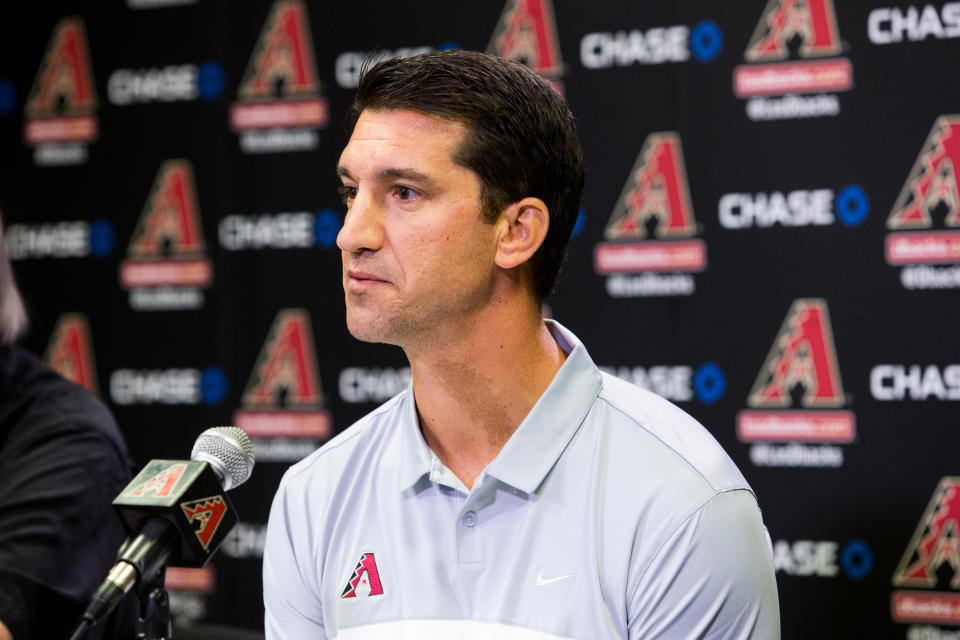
770	238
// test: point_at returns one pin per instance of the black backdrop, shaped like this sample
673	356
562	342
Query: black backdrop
767	238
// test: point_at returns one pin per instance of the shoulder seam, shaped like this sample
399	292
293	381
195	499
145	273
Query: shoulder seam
661	441
291	472
694	511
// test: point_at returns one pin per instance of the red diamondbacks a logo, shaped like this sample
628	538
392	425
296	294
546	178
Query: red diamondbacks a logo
160	485
933	180
284	53
365	574
287	363
171	217
65	74
813	21
69	353
209	513
527	33
656	188
803	353
935	542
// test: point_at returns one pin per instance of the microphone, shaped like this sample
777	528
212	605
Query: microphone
176	511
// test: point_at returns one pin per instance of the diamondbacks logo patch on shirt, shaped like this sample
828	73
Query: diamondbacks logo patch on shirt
365	579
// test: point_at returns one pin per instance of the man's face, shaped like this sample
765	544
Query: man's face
417	257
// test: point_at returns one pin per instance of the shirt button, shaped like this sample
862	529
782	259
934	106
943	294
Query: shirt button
470	519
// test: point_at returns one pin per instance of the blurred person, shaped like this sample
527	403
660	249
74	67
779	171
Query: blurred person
512	490
62	462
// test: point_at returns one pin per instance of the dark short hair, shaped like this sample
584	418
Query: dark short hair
522	140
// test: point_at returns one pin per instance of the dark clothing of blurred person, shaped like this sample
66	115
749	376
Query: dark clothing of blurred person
62	461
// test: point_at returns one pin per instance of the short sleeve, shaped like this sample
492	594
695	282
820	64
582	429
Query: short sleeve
291	595
713	579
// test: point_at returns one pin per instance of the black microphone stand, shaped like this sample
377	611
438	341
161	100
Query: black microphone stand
153	617
153	621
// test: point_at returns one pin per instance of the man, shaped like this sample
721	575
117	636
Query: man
62	461
512	491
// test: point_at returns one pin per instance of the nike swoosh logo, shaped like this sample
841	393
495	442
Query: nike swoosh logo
543	582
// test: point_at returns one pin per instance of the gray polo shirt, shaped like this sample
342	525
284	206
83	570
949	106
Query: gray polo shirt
610	513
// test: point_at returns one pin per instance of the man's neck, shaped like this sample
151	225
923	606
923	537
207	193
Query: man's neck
475	385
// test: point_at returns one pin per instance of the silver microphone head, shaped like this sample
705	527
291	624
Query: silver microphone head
229	451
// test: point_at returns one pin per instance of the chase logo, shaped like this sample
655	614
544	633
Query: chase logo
64	239
892	25
349	65
823	558
677	383
656	45
169	386
8	97
297	230
171	83
897	382
797	208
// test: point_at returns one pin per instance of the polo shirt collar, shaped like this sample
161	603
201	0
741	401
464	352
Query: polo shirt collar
536	445
415	457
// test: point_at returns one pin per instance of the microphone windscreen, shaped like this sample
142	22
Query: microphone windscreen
229	451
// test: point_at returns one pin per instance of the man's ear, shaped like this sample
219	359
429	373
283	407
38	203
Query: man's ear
524	227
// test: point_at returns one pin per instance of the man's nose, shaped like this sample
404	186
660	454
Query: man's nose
363	226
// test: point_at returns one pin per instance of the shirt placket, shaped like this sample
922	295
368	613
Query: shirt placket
469	525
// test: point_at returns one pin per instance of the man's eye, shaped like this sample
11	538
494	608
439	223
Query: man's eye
405	193
347	192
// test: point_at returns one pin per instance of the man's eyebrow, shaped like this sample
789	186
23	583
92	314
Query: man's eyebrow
404	174
392	173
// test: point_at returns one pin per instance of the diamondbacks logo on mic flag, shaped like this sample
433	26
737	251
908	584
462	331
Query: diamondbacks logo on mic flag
208	512
162	484
61	104
69	352
280	106
365	576
801	368
187	494
527	33
930	198
655	203
935	543
283	398
166	267
768	71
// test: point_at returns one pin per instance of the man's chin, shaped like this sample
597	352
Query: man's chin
366	331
